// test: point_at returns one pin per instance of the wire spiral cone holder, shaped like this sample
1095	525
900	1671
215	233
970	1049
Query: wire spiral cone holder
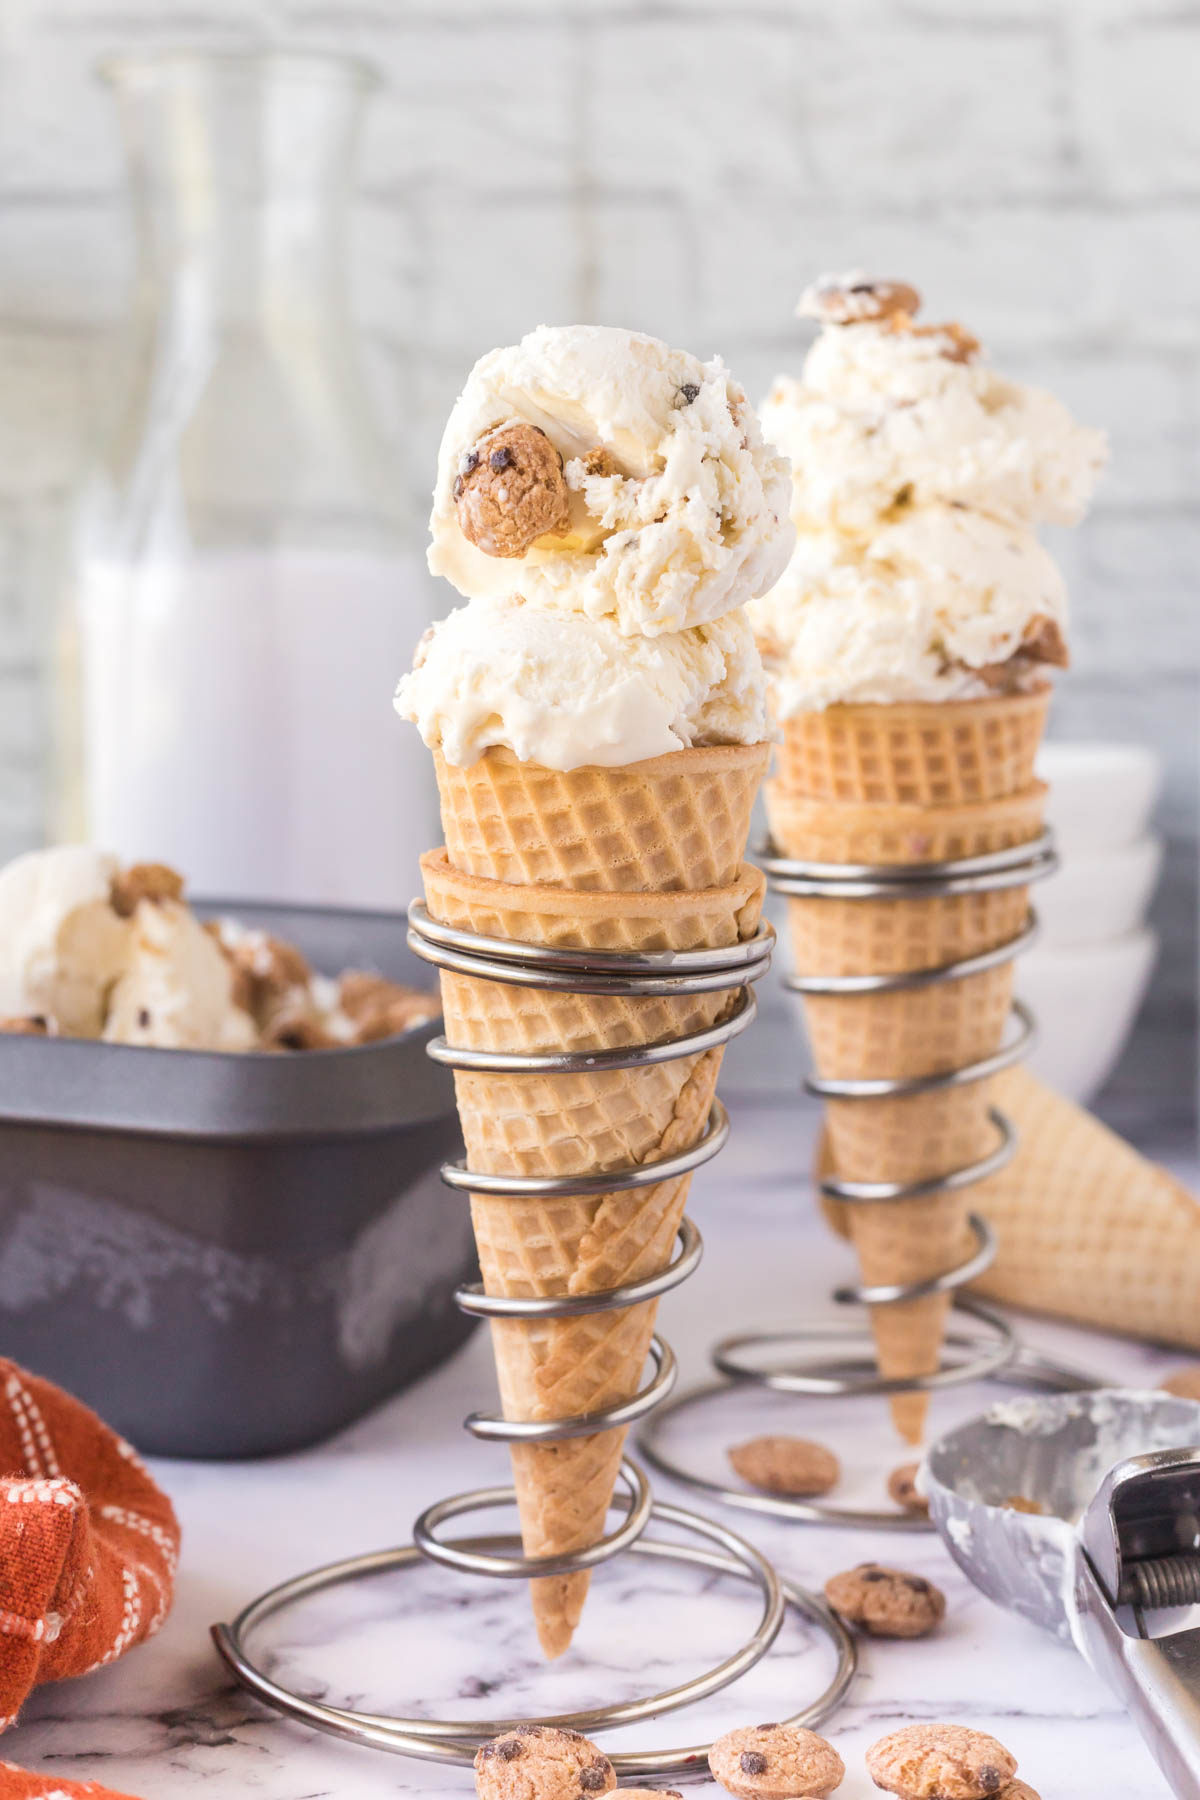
661	973
785	1362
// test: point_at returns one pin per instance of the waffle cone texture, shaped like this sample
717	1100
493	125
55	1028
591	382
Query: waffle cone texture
1088	1229
624	871
903	785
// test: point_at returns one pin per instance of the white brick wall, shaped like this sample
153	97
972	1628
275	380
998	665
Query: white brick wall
684	165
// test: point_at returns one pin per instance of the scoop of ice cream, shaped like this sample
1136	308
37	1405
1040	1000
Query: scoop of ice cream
882	418
671	511
62	944
563	690
919	476
942	604
177	990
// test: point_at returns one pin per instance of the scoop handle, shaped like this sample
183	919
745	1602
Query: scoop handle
1157	1679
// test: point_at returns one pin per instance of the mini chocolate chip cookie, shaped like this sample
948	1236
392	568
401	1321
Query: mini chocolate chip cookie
902	1487
941	1762
775	1762
786	1465
542	1762
886	1602
854	300
510	490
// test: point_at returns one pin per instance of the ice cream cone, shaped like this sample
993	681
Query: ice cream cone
915	753
1087	1229
669	824
580	1123
908	1033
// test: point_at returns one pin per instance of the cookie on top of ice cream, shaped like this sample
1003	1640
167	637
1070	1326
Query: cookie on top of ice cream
919	476
600	470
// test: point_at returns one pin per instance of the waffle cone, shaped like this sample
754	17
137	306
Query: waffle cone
669	824
1086	1228
905	1035
577	1123
918	753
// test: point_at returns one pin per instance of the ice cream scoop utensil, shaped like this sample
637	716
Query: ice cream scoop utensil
1116	1478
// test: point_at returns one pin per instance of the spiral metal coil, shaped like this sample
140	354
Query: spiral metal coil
989	1346
664	974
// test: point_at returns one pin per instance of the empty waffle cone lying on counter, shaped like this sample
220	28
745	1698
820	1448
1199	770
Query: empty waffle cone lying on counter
1087	1228
641	858
966	769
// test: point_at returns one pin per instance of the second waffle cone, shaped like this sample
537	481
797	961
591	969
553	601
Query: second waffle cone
907	1033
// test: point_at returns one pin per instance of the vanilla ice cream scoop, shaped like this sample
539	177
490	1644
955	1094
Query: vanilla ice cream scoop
564	690
62	944
601	471
177	989
941	604
919	476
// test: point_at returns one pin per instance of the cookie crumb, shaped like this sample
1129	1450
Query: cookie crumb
379	1008
941	1762
143	881
1184	1383
600	461
775	1762
514	492
886	1602
786	1465
29	1025
902	1488
856	300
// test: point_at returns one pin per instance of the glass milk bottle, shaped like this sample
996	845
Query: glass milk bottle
248	579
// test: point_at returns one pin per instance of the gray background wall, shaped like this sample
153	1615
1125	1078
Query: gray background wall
684	166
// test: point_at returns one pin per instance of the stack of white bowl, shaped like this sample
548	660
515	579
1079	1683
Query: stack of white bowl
1087	974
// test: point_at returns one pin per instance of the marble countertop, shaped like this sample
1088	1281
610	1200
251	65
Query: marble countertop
167	1722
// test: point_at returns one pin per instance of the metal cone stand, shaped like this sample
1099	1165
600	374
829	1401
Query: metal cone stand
733	970
982	1344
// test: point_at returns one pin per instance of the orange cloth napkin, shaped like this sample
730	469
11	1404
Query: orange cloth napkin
88	1551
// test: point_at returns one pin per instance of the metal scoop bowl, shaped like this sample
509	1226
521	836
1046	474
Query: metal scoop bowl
1081	1512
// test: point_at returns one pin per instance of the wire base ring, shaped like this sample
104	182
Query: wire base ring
456	1740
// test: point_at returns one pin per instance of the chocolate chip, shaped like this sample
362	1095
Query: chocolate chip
752	1762
467	461
143	1017
774	1726
500	459
510	1749
874	1575
916	1584
990	1779
690	391
862	287
486	1751
458	487
594	1779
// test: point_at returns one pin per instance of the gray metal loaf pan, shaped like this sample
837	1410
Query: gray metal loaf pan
233	1255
